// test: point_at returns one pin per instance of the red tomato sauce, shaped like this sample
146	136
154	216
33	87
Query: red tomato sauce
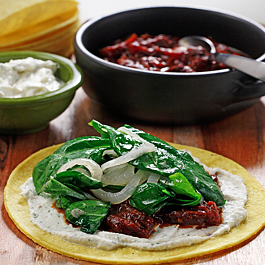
162	53
125	219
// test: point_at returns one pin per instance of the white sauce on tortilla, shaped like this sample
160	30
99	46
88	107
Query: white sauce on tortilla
49	220
27	77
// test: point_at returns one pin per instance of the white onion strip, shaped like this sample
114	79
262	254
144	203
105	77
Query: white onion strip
146	147
124	194
91	165
133	154
144	175
110	153
118	175
132	134
153	178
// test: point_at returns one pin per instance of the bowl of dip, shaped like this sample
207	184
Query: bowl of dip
35	88
170	97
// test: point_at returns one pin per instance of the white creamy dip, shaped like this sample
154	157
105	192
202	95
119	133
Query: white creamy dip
27	77
49	220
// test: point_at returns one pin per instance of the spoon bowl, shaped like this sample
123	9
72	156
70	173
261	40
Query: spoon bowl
189	41
246	65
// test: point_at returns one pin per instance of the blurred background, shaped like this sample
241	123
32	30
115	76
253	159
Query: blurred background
254	9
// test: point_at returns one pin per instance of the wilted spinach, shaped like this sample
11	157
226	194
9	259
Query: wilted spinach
87	214
63	202
150	198
184	182
44	173
175	190
165	160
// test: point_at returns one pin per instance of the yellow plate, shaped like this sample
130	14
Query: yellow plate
18	210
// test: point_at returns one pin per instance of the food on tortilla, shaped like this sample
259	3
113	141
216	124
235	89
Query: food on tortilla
134	248
133	166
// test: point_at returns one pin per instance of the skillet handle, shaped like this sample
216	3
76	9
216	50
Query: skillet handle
246	65
248	92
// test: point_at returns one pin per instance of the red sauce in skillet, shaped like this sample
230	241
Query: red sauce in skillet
162	53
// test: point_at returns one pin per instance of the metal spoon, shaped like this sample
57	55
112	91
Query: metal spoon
243	64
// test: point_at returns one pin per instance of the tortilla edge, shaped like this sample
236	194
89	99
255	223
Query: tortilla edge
126	254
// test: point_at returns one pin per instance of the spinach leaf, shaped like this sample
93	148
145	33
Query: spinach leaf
87	214
150	197
175	190
185	193
169	160
64	202
70	183
42	172
92	148
121	143
78	179
82	144
165	160
55	187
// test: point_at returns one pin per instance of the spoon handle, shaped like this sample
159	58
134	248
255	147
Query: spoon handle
243	64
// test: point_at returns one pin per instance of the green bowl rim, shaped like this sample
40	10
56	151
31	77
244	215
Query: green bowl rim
75	81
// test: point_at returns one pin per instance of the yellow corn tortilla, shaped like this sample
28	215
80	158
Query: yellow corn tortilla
38	25
20	15
39	31
59	41
18	210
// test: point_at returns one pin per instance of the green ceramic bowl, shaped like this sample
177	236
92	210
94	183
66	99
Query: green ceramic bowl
31	114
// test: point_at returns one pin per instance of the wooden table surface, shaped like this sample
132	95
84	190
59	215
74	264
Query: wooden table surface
240	138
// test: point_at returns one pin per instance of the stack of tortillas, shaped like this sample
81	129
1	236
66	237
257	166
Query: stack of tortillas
39	25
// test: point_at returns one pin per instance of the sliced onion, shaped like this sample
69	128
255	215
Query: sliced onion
84	171
124	194
133	154
118	175
110	153
134	135
143	174
153	178
91	165
146	147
